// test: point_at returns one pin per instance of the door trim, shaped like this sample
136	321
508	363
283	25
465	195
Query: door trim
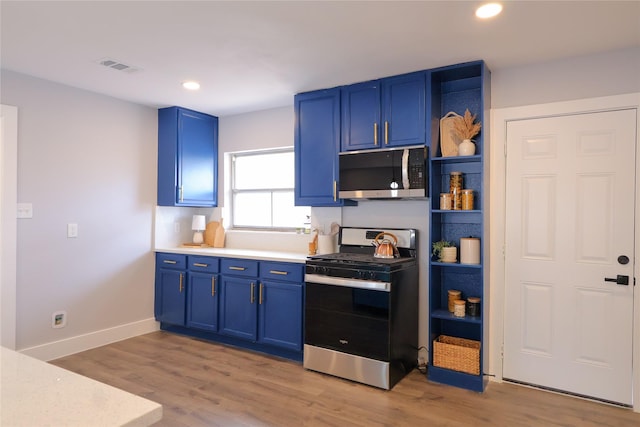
8	230
497	178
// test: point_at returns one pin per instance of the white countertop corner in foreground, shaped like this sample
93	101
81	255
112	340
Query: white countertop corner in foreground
36	393
262	255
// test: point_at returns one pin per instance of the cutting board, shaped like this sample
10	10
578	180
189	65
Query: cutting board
210	233
218	240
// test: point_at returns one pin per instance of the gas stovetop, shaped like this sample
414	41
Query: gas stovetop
362	260
356	257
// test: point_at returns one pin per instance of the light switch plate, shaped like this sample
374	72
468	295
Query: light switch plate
72	230
25	210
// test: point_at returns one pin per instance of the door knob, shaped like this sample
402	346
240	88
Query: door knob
620	280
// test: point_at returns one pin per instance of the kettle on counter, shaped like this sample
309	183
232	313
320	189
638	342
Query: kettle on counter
385	248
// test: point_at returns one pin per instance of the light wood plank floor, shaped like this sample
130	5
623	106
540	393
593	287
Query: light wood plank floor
205	384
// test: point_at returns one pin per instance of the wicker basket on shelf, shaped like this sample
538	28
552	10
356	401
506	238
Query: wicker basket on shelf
458	354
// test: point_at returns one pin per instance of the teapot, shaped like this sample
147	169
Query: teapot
385	248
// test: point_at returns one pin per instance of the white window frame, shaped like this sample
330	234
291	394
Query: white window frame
233	191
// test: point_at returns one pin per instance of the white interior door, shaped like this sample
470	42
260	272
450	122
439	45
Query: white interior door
569	223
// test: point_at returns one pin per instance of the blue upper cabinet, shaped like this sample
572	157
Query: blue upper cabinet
361	116
384	113
317	144
187	158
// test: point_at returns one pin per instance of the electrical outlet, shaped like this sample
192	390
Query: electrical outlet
59	319
176	227
421	361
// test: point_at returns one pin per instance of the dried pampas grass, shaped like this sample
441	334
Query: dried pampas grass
465	127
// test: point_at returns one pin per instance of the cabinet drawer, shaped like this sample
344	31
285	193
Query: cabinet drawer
239	267
204	263
289	272
173	261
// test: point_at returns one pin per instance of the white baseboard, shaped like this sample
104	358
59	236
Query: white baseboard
57	349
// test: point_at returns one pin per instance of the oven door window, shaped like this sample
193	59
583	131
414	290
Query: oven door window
350	320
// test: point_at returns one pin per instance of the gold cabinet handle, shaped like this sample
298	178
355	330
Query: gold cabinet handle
181	287
252	298
260	300
198	264
237	268
335	188
375	133
213	286
181	194
386	132
282	273
168	261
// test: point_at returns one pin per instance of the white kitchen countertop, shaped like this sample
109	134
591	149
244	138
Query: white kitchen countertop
263	255
36	393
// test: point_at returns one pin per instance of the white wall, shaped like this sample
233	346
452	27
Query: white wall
87	159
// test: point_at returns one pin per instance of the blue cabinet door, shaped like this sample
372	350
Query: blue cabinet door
317	144
403	106
238	307
187	158
384	113
202	306
280	314
170	296
361	116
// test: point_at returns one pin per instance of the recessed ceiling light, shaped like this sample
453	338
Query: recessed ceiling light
191	85
488	10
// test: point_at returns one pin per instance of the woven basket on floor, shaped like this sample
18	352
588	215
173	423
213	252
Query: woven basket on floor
458	354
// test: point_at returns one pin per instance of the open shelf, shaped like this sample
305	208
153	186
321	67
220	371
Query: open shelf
457	88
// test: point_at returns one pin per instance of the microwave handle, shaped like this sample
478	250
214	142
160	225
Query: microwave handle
405	169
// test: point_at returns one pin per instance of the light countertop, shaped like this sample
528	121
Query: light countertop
36	393
263	255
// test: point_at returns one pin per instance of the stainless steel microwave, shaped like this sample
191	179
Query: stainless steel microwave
384	173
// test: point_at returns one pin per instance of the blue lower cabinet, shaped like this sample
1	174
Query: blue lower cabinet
170	288
280	314
238	307
202	306
247	303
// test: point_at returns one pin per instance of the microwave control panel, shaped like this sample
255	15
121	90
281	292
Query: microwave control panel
417	166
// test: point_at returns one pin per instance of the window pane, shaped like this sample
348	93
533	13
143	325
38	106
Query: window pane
285	214
252	209
261	171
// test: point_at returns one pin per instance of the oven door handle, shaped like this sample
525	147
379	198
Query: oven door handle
348	283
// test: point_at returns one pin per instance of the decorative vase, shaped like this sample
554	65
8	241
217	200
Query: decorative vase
466	148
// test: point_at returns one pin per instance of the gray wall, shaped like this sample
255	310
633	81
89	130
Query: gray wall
609	73
87	159
91	160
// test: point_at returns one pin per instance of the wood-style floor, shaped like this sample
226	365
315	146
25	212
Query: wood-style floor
206	384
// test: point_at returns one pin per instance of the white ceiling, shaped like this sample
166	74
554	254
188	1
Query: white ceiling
254	55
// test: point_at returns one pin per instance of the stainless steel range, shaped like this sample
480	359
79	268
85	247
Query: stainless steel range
361	310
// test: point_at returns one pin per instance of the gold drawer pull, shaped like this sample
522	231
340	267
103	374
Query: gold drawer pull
197	264
261	286
168	261
282	273
213	286
181	287
252	298
237	268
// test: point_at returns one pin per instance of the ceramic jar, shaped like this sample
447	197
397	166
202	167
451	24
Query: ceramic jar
466	148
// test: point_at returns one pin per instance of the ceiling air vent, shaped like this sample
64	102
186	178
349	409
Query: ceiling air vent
117	65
